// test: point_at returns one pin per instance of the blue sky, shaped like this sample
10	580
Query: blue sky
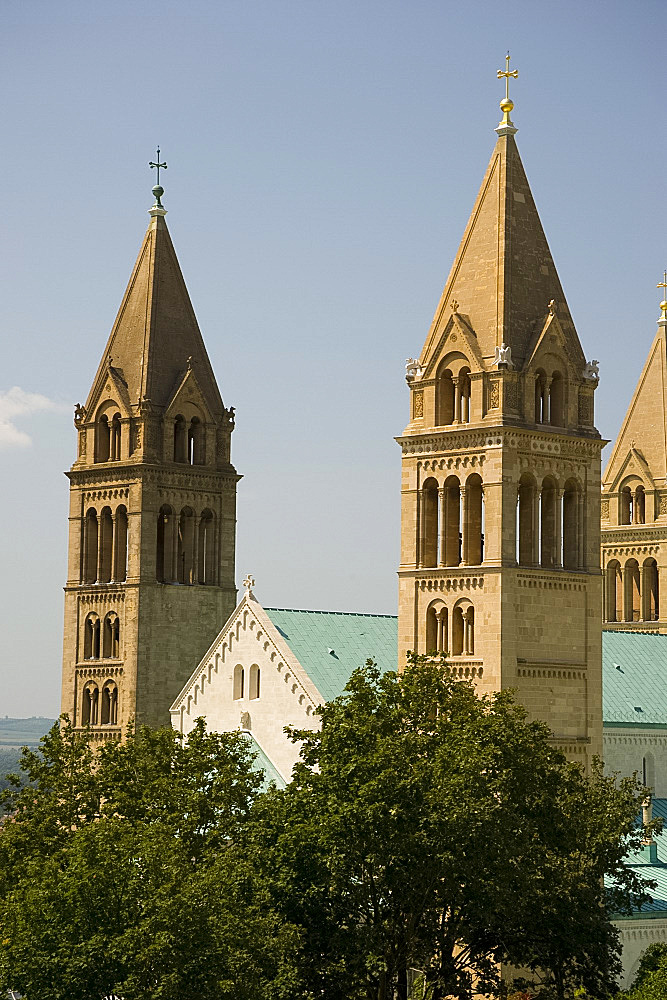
323	160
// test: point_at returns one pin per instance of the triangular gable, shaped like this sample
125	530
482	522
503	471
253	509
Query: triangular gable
458	335
644	427
634	464
550	338
110	382
188	388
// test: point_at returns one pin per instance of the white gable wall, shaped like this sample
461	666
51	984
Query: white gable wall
287	696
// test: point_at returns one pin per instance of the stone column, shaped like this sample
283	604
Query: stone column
114	542
100	546
457	400
173	572
581	532
558	541
440	643
195	548
464	527
442	528
537	555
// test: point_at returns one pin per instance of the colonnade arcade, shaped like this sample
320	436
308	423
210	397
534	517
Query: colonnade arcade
451	520
632	591
99	708
186	546
550	523
452	633
104	548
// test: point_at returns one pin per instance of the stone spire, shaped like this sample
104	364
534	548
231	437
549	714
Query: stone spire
156	331
503	280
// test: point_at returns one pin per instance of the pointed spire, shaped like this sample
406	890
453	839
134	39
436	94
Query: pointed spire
504	280
155	339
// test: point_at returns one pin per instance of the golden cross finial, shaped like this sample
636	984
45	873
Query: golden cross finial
663	304
507	104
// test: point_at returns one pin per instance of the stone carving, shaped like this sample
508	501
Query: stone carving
494	395
245	721
511	395
552	307
604	510
503	358
455	306
248	584
663	503
413	369
79	415
418	404
230	416
592	371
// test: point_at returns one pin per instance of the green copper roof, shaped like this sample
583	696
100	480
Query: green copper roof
634	668
651	863
263	763
329	645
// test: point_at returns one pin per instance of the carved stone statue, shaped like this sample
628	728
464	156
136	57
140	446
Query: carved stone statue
79	414
412	369
503	358
592	370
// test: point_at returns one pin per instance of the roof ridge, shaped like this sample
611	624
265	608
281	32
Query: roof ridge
350	614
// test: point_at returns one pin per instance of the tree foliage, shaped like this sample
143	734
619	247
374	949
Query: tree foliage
428	828
125	873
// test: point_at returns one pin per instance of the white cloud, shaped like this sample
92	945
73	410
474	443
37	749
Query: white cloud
16	402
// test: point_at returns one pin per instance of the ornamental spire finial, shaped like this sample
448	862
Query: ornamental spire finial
506	126
158	191
663	305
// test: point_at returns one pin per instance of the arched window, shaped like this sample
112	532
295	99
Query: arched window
571	526
109	714
639	506
632	595
464	395
206	549
166	526
105	543
102	439
115	438
90	704
185	552
120	546
196	442
91	637
452	522
437	631
557	400
239	680
444	398
474	520
429	524
651	610
614	592
527	517
548	523
625	506
541	398
180	439
254	681
458	631
89	561
111	638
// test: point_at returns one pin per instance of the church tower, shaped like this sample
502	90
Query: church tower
500	532
152	515
634	501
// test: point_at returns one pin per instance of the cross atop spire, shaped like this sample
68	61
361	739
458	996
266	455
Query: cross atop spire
158	191
506	105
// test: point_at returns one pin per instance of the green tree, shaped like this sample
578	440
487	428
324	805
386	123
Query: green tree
428	828
126	873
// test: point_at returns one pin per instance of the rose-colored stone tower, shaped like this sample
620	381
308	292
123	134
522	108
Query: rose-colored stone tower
500	555
152	507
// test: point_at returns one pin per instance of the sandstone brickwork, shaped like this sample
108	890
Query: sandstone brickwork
152	518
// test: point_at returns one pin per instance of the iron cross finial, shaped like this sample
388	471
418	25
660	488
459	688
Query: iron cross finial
663	305
160	166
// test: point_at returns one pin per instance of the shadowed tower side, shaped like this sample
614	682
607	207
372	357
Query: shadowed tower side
634	501
500	530
152	519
